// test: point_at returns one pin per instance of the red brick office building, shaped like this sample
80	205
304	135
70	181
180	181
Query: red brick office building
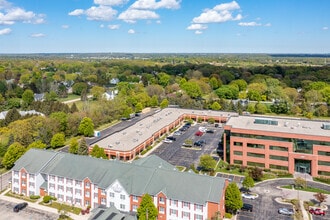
287	144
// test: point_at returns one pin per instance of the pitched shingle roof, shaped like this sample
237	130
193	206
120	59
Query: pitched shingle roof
149	175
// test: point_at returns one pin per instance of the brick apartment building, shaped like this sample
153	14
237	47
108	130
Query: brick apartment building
287	144
85	181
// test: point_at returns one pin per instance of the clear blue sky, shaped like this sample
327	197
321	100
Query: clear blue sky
165	26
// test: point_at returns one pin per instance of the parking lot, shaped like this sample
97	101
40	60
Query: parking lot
177	155
6	212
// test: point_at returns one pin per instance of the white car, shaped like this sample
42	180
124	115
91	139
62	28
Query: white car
249	196
177	133
168	141
202	129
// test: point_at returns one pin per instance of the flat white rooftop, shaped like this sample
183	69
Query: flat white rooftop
135	135
284	125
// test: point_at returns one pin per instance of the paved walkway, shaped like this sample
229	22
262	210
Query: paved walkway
41	207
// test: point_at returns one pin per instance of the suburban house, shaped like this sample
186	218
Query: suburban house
39	96
86	181
22	113
287	144
110	95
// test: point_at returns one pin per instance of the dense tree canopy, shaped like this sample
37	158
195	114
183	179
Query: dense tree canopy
14	152
233	198
147	209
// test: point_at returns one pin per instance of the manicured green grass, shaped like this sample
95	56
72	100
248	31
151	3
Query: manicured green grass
70	97
308	189
63	207
17	196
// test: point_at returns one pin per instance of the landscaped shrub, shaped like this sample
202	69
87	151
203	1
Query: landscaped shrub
228	215
46	199
322	179
34	197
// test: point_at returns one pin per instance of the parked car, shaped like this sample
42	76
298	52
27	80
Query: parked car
247	207
20	206
177	133
198	143
202	129
286	211
168	141
171	138
317	211
209	131
249	196
199	133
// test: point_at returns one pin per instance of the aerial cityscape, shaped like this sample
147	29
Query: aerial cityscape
164	109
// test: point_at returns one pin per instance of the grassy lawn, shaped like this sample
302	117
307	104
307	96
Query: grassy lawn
63	207
17	196
181	168
70	97
308	189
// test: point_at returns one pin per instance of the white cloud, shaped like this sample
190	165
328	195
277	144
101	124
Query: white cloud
10	15
153	4
268	25
76	12
101	13
110	2
5	31
249	24
65	26
325	28
227	6
198	32
197	27
37	35
131	15
219	14
114	26
131	31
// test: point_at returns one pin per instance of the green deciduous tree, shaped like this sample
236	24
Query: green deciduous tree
248	182
27	97
58	140
14	152
73	147
12	115
97	92
61	118
98	152
256	173
147	209
154	101
233	198
79	87
207	163
37	144
86	127
164	103
192	89
215	106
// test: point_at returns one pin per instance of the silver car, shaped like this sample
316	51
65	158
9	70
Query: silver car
285	211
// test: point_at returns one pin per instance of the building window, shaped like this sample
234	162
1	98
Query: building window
238	162
135	198
78	183
103	201
278	148
161	200
60	197
69	199
69	189
87	203
255	164
78	191
23	182
23	175
31	184
258	146
51	178
199	207
275	157
240	153
112	195
122	206
87	194
323	173
278	167
324	163
255	155
161	210
87	184
16	189
174	202
60	187
185	215
31	177
112	204
324	153
31	193
103	192
122	197
69	181
185	204
60	179
78	201
134	208
240	144
16	173
173	212
198	217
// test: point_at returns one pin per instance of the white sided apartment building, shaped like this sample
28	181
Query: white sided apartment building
85	181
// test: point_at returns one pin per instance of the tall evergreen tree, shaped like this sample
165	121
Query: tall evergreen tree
82	148
12	115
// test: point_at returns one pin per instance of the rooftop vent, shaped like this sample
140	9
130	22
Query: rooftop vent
264	121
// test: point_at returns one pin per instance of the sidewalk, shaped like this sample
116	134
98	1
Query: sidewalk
41	207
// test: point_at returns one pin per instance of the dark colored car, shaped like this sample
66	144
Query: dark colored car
209	131
198	143
19	206
171	138
247	207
